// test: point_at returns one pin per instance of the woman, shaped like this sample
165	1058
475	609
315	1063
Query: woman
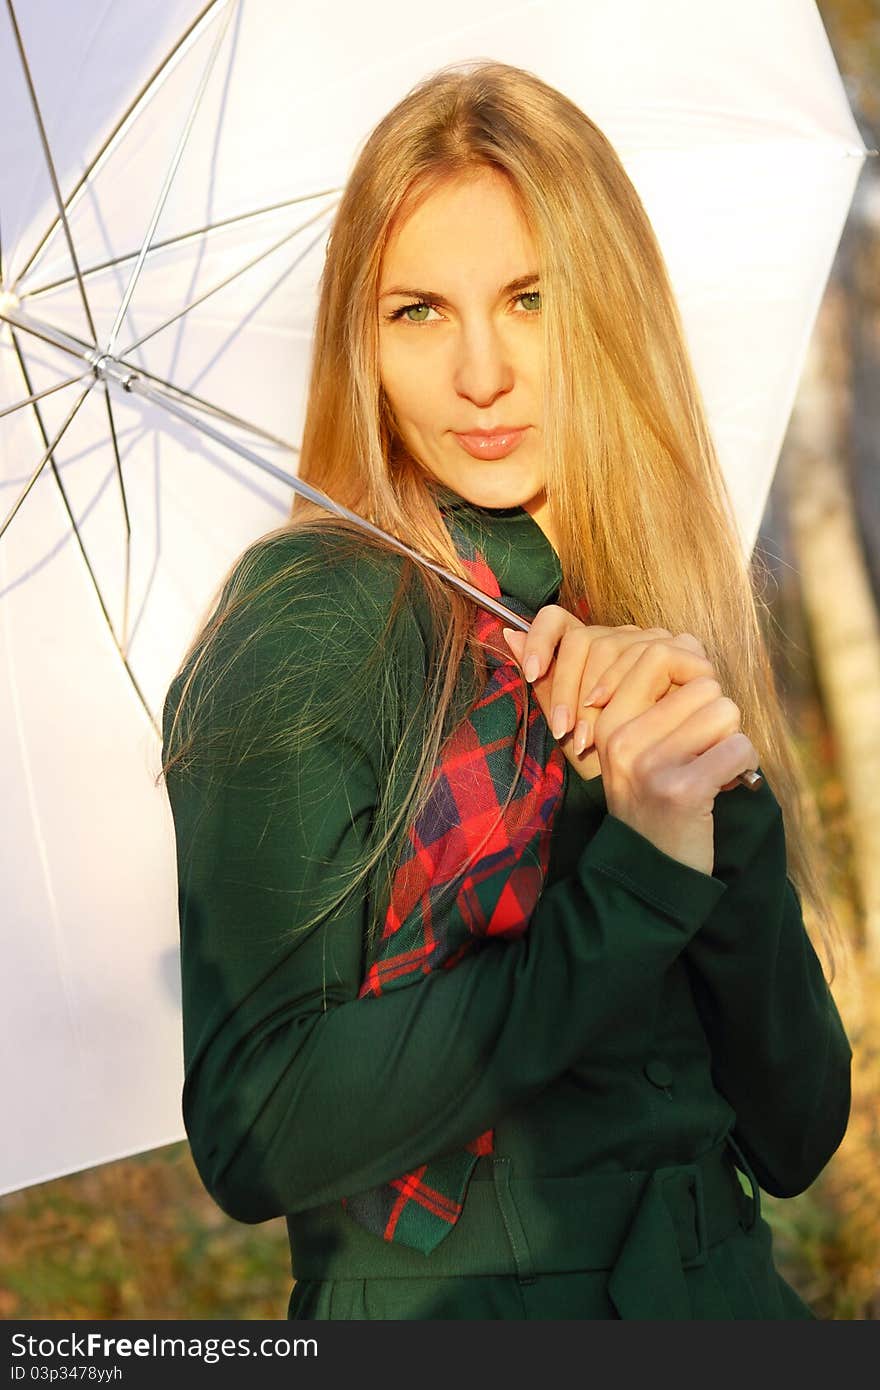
497	1016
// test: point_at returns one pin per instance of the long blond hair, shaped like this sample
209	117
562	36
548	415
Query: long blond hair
641	511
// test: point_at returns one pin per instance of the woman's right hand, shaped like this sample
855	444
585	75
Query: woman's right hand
666	752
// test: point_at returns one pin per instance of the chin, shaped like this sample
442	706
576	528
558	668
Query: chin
492	485
499	498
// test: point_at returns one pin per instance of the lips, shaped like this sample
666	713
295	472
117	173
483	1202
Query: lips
491	446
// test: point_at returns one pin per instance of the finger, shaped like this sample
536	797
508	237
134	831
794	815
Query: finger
609	676
607	647
557	690
718	768
540	684
667	740
516	641
549	626
546	630
580	647
692	643
648	671
699	727
582	655
566	680
620	658
652	721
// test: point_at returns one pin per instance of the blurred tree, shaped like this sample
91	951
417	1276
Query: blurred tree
853	28
837	594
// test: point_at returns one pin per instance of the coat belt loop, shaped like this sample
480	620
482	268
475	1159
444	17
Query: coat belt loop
522	1256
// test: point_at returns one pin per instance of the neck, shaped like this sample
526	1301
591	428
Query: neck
539	510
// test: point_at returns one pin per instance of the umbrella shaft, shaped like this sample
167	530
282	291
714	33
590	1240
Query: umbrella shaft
109	368
132	382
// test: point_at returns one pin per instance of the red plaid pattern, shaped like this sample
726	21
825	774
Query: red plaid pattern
436	915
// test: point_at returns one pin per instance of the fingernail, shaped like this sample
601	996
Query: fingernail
561	718
533	666
510	634
580	736
595	695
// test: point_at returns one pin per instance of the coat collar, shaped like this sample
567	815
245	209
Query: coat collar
515	548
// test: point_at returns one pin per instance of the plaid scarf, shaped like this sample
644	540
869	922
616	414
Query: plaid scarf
430	925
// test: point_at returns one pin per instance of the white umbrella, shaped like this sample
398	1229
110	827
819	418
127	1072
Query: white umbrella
195	146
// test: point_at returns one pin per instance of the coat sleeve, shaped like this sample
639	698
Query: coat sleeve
780	1054
296	1091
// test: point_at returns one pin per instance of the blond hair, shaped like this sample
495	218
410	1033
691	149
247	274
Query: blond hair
642	516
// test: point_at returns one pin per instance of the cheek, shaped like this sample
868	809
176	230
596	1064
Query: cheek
408	387
393	375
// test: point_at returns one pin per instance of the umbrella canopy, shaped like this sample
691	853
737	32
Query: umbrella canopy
198	152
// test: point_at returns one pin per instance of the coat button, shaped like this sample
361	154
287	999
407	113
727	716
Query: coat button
658	1073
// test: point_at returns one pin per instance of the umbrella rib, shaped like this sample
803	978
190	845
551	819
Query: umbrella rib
60	338
67	342
169	177
51	166
200	403
32	293
38	395
188	37
49	455
194	303
313	494
125	512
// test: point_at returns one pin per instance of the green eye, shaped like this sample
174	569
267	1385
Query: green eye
407	312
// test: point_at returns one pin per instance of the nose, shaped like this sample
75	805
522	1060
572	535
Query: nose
484	367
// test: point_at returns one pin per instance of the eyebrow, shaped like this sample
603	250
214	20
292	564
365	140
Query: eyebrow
434	298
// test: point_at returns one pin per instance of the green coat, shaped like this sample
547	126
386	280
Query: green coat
650	1010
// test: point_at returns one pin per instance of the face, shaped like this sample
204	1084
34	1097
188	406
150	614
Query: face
460	342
